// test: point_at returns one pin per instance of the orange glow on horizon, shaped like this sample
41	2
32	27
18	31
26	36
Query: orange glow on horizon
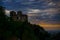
50	26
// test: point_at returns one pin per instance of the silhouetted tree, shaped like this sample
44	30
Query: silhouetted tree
40	32
2	14
56	36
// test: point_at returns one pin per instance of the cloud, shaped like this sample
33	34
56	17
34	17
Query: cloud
34	11
6	0
7	12
31	0
27	3
24	4
49	11
51	14
51	4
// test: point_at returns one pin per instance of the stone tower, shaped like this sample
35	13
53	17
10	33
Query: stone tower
19	15
25	18
13	16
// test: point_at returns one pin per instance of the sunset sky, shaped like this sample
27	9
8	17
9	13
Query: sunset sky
45	13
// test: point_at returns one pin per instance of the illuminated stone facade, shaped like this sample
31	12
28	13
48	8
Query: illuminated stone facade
18	16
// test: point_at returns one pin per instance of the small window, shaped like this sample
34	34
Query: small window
19	18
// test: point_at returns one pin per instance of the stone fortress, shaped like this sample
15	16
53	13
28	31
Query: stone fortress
14	16
18	16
